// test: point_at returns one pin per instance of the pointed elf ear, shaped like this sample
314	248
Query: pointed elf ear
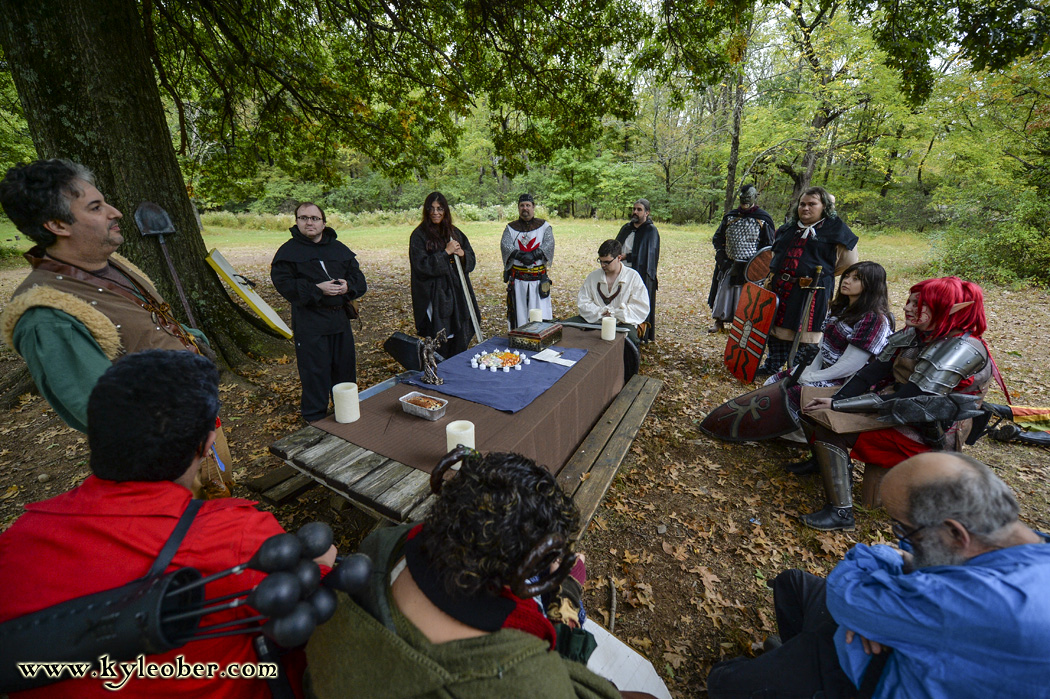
959	306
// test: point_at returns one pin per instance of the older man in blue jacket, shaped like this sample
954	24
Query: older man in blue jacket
963	611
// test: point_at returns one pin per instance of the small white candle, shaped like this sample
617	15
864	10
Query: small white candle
473	364
608	328
528	361
459	432
347	407
517	367
535	315
493	368
506	369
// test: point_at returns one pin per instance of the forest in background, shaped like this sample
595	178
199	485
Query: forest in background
795	93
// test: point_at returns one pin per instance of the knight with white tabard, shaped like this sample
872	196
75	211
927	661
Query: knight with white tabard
528	252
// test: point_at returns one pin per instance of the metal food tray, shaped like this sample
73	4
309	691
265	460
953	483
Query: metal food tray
425	413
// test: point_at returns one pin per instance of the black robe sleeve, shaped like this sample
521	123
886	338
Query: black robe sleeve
355	279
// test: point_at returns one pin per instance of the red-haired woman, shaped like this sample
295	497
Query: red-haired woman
939	352
438	299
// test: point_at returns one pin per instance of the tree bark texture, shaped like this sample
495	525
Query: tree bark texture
734	143
89	94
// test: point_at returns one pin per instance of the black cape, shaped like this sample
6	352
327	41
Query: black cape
644	259
296	271
723	263
435	283
821	250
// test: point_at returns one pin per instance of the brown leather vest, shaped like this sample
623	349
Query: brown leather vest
142	323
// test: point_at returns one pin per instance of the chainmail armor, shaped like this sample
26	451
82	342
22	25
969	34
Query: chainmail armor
742	237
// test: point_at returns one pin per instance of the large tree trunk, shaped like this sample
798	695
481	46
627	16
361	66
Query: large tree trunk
734	142
89	94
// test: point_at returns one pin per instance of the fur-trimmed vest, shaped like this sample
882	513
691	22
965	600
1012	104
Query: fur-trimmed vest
120	321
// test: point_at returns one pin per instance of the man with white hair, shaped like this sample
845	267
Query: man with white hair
960	611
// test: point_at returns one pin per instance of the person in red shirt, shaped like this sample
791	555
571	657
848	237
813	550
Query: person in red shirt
151	420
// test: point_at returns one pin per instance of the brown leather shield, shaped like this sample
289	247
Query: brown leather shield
761	414
750	330
758	266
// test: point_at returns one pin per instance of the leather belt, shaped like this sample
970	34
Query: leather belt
803	282
527	274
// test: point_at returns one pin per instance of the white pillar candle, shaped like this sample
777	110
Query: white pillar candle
608	328
459	432
535	315
347	406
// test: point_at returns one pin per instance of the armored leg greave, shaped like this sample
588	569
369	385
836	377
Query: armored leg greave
835	470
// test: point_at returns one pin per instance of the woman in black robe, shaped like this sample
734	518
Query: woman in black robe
438	301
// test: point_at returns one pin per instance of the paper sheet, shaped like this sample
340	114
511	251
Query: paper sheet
553	356
623	666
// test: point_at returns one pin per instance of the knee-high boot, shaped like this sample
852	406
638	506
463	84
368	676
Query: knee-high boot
835	468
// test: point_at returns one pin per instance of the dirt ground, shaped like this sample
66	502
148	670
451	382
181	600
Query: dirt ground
691	531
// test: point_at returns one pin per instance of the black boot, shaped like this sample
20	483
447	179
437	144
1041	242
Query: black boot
835	468
830	519
804	467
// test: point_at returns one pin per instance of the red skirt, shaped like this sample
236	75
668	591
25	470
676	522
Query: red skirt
886	448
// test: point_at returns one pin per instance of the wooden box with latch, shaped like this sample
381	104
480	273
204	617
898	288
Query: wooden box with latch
535	336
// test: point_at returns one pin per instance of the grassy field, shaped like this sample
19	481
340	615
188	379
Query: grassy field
897	249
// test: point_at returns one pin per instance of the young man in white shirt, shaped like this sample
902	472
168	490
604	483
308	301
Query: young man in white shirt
614	290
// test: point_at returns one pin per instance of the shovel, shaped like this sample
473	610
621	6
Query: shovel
153	220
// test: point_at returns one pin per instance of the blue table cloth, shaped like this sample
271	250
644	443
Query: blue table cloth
507	391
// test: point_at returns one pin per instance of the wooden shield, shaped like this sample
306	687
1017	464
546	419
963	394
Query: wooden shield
758	266
747	337
761	414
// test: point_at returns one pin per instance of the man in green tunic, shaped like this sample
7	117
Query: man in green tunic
82	306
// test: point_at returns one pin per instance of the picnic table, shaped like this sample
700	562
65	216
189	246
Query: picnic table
580	429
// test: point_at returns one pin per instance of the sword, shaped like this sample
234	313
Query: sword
466	295
806	314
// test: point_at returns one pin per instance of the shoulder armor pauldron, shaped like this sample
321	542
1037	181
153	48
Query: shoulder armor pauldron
896	341
945	363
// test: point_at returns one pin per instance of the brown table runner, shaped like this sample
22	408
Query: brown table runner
548	431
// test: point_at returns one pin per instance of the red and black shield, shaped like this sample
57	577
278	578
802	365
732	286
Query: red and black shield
761	414
747	337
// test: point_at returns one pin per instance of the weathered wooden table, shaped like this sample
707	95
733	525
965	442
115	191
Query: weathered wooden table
383	488
392	491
